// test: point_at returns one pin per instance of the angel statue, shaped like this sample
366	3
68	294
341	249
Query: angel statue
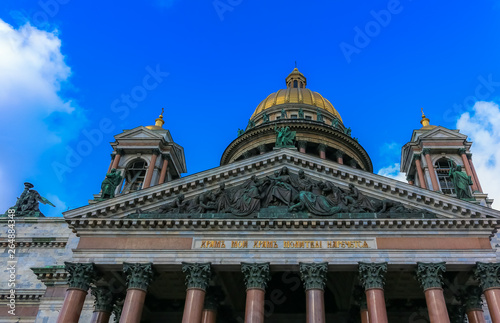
284	137
27	204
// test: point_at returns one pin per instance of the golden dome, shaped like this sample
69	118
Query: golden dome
296	93
158	122
426	122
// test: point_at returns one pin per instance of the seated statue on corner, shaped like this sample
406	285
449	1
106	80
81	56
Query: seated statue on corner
110	183
462	183
27	204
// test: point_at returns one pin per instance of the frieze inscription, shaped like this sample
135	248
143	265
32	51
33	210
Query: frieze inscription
283	244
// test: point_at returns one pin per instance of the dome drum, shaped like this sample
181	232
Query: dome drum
262	138
293	111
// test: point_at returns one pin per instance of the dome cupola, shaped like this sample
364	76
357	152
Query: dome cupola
318	127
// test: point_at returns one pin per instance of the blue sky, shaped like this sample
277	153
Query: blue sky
64	65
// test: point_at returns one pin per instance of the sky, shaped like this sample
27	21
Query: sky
75	73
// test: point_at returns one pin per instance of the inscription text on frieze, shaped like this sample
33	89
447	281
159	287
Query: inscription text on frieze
285	244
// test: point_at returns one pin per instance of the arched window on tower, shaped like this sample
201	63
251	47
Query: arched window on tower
442	167
295	84
135	174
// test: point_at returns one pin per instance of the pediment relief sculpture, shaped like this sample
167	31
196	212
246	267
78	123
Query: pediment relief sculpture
289	193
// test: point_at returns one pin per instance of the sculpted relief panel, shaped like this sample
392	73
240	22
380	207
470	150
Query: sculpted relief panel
284	192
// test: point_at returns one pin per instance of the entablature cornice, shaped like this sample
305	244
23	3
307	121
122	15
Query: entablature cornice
277	224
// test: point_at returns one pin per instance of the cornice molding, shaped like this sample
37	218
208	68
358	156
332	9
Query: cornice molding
299	224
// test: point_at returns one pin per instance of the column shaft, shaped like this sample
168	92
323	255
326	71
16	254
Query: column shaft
110	166
149	174
100	317
340	160
72	306
475	176
315	306
436	305
365	316
376	305
420	173
493	299
469	172
254	309
193	306
411	182
476	316
116	160
133	305
208	316
322	154
432	173
163	173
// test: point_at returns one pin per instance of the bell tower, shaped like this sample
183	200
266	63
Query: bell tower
142	157
439	159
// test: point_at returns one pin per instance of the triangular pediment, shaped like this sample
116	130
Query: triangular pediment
141	133
373	186
440	133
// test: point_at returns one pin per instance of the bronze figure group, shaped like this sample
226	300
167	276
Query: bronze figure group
297	192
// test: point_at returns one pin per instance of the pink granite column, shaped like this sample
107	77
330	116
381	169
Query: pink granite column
468	170
420	173
116	160
487	274
103	305
322	151
110	164
80	276
256	277
72	306
209	314
151	169
474	304
432	172
474	173
164	168
139	276
372	277
302	146
314	278
430	277
340	157
197	279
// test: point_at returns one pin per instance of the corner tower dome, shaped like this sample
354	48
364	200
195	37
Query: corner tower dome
296	92
317	127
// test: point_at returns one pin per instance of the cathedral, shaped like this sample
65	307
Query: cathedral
293	226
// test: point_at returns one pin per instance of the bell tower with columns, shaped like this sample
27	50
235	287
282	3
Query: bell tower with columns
434	154
144	157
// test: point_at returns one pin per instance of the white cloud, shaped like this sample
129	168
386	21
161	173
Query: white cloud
34	115
483	128
48	210
393	172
